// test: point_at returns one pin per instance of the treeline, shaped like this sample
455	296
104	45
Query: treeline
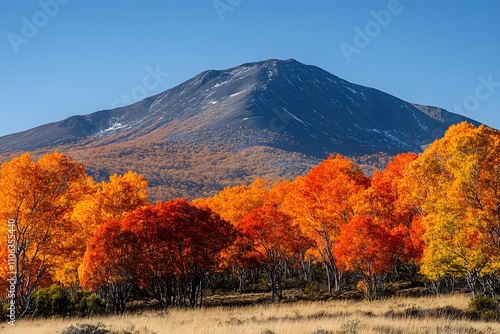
435	214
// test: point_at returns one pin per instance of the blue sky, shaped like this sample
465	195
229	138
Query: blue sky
71	57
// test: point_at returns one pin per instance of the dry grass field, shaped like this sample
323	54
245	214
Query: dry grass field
432	315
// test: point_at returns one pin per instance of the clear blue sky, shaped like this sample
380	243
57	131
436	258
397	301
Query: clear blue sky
80	56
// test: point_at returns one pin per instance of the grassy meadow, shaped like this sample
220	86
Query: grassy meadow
432	315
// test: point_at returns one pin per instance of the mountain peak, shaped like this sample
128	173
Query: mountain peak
271	62
311	106
275	117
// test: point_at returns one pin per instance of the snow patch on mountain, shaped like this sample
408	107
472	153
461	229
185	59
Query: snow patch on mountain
115	126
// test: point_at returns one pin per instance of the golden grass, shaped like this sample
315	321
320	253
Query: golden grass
320	317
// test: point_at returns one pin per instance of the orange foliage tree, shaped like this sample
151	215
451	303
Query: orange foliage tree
367	247
273	242
385	202
234	202
110	263
320	203
38	196
104	201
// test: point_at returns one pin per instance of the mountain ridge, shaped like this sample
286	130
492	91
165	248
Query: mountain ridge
240	118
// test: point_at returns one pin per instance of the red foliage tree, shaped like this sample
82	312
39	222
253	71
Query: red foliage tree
386	203
167	248
273	242
366	246
110	262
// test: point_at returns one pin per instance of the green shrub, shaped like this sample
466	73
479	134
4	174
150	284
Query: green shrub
86	303
485	308
52	301
312	290
56	301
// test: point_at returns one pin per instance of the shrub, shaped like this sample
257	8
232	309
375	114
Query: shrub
312	290
485	308
56	301
86	303
52	301
267	331
100	328
87	329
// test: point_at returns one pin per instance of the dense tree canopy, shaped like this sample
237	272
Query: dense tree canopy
437	213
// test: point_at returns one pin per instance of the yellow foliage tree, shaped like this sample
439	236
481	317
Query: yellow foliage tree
456	183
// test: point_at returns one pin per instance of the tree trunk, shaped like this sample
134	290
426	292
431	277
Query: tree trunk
272	277
472	280
329	281
279	281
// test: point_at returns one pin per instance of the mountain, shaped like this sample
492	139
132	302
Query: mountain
273	119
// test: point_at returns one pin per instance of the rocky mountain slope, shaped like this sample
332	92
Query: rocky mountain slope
273	119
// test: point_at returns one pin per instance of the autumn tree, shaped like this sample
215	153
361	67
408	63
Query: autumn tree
278	192
38	196
106	200
320	203
277	195
273	242
184	243
456	183
110	200
385	203
234	202
109	264
366	246
167	248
